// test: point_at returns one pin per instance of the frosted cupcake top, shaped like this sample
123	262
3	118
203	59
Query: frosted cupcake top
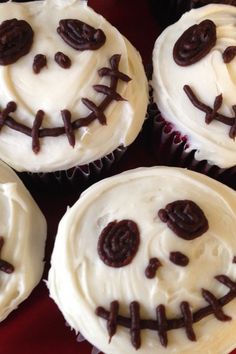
194	81
22	242
72	87
146	260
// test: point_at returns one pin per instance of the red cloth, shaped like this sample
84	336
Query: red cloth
37	326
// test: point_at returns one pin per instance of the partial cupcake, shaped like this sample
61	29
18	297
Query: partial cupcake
73	90
22	242
193	88
145	261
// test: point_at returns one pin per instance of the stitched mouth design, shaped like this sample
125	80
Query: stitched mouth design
97	112
162	324
212	113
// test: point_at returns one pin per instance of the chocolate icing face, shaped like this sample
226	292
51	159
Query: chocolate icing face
16	39
193	83
73	81
173	294
117	247
193	45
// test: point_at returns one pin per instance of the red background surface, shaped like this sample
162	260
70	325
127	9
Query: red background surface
37	326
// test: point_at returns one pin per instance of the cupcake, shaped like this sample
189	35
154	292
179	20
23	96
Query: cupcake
193	89
73	90
145	261
22	242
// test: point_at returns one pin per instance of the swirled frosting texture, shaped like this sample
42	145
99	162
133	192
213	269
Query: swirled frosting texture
209	77
55	89
23	228
79	281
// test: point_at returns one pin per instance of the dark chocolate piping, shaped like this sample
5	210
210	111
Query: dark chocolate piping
162	325
118	243
66	117
40	61
186	219
135	324
112	320
10	108
212	113
62	60
16	37
179	259
188	320
152	267
216	307
97	111
229	54
195	43
81	36
183	322
35	131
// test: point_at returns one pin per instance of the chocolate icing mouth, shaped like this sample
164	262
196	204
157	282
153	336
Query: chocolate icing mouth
212	113
97	112
162	324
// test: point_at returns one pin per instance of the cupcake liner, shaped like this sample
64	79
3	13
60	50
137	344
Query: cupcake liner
169	148
78	176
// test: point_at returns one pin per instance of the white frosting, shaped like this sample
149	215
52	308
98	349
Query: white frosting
79	281
208	78
23	228
55	89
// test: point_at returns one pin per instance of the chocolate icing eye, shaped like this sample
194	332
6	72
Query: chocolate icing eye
16	38
118	243
80	35
185	219
195	43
